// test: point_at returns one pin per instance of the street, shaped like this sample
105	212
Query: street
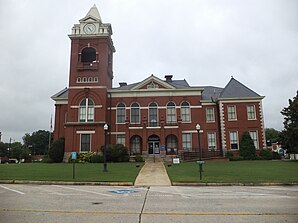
68	203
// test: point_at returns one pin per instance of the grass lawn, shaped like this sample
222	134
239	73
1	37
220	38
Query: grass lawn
236	172
117	172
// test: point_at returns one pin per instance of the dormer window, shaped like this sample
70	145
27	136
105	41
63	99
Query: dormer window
88	55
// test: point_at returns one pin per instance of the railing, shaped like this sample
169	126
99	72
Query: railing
185	155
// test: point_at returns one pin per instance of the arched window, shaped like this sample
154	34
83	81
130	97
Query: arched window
88	55
135	113
185	112
136	144
171	113
86	113
153	117
120	113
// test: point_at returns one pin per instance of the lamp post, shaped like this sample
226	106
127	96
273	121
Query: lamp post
198	127
105	127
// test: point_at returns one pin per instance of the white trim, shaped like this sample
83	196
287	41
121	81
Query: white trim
171	127
83	87
155	127
118	133
85	132
192	131
236	100
157	93
132	127
77	106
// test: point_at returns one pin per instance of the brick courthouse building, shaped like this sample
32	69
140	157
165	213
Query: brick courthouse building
153	116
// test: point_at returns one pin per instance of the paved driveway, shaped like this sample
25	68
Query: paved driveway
57	203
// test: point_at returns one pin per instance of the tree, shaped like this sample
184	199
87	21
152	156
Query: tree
247	148
38	142
290	133
56	151
272	135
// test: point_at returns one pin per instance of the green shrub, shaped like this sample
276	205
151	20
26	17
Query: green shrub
47	159
247	148
56	151
266	154
96	159
139	159
116	153
276	156
236	158
229	154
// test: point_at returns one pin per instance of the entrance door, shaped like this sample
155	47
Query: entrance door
153	148
153	145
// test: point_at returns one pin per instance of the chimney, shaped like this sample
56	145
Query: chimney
168	78
122	84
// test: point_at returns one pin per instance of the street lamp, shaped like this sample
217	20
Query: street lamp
200	162
105	127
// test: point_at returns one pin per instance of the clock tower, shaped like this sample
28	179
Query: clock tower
81	109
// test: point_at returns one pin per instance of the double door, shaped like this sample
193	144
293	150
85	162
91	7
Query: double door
153	148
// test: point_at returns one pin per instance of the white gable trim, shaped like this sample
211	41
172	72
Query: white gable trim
154	79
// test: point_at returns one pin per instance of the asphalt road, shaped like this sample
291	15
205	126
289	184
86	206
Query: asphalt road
71	204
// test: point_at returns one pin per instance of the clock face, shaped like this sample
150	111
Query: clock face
89	28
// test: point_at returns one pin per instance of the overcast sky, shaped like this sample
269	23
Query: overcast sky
203	41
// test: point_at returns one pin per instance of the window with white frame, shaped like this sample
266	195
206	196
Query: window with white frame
232	113
171	113
254	137
234	139
153	116
86	111
120	139
211	140
135	113
85	142
136	145
186	141
120	113
251	112
210	115
185	112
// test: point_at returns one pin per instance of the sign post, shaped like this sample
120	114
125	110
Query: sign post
73	157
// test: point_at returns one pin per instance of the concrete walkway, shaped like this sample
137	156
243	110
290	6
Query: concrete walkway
153	174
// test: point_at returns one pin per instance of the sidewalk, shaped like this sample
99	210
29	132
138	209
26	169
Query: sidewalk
153	174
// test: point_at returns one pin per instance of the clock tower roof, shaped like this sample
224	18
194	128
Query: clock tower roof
92	14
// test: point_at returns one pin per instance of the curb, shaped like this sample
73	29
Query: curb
66	183
233	184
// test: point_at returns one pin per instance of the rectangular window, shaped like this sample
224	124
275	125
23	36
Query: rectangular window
211	141
82	114
85	142
121	115
90	116
153	117
186	141
121	139
171	115
234	139
210	115
135	116
232	113
254	137
251	112
185	114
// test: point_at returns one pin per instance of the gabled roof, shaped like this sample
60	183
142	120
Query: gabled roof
235	89
173	84
63	94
